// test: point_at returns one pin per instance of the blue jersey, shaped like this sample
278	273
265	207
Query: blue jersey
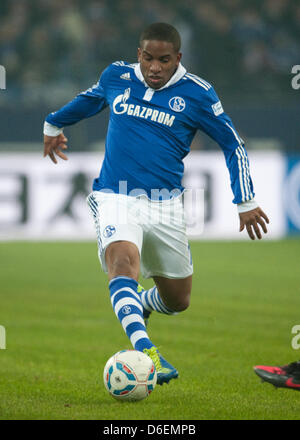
150	131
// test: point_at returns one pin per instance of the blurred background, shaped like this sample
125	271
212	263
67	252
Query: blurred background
51	50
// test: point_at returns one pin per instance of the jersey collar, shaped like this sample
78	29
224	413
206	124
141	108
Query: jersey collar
180	72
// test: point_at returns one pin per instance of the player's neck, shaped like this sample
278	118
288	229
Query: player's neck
177	76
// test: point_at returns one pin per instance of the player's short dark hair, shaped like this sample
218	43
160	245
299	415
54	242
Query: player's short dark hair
162	32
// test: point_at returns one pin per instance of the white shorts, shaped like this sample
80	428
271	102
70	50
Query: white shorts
157	228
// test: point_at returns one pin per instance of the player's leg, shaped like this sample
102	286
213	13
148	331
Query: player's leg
122	261
119	250
119	247
172	274
168	296
175	293
286	376
166	258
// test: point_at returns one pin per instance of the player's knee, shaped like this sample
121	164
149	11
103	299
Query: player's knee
122	262
181	303
175	293
123	265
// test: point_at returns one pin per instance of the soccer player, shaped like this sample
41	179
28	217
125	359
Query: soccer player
286	376
156	107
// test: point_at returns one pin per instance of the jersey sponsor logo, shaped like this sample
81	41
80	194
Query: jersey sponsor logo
126	95
177	104
109	231
217	108
120	107
126	76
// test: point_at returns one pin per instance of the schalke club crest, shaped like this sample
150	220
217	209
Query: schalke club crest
177	104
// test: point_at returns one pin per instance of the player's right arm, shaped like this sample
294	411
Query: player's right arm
53	146
84	105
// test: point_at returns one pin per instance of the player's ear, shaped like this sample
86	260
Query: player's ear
179	56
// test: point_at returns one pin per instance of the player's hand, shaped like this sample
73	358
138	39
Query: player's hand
252	220
53	146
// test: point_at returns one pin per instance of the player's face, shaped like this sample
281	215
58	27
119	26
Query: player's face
158	61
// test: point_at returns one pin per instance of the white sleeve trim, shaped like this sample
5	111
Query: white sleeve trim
247	206
51	130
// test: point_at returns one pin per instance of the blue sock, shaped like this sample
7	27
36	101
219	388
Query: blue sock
151	300
127	306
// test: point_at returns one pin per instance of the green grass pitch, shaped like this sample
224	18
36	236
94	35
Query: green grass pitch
60	330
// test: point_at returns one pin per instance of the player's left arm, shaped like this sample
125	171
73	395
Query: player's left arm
216	123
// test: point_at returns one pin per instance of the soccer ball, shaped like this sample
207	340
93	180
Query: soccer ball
129	375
